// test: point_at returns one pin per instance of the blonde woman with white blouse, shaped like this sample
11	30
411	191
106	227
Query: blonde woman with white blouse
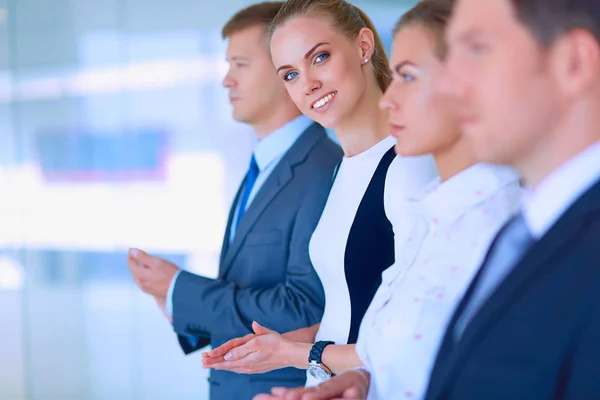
443	232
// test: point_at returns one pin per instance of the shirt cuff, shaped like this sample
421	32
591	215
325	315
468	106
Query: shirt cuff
170	292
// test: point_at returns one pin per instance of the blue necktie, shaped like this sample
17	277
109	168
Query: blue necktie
248	185
508	249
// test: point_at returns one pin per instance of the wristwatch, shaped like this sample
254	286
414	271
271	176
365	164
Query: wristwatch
315	368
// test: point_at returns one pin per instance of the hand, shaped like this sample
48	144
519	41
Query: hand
266	351
152	274
266	397
351	385
162	305
217	354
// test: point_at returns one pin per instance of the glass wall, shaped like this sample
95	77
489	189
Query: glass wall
114	132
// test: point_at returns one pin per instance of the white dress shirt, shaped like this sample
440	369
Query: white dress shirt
451	226
544	205
268	152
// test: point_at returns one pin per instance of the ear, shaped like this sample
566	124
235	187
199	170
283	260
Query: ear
575	59
366	43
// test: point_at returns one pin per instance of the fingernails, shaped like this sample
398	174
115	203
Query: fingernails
134	252
278	391
228	356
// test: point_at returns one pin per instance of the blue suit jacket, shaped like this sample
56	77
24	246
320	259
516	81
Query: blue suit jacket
265	273
538	335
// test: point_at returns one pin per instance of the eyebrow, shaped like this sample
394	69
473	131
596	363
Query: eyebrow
307	55
237	58
468	35
399	66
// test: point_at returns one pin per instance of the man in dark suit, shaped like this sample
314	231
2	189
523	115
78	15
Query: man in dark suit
265	273
526	78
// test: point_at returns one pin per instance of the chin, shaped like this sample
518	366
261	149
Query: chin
328	120
239	117
407	151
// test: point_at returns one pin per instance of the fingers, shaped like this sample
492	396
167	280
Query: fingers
321	395
297	393
210	362
239	367
261	330
142	257
265	397
230	345
136	269
142	278
278	391
237	360
241	352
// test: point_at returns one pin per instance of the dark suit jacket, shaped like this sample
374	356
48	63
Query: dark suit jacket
538	335
265	274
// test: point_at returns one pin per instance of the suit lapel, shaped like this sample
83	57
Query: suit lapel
226	241
537	261
279	178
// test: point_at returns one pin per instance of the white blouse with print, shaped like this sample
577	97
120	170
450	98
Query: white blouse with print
453	223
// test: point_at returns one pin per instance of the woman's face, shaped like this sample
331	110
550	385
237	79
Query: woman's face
322	69
420	118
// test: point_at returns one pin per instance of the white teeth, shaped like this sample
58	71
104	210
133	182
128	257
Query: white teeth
323	101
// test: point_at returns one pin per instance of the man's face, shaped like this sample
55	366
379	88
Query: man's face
255	90
500	77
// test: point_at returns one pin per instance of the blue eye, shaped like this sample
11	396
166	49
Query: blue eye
290	75
322	57
407	78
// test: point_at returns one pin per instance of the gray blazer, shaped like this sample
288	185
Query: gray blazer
265	274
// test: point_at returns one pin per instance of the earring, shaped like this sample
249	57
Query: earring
366	60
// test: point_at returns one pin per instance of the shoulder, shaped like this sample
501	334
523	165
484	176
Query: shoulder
505	193
406	177
324	156
327	148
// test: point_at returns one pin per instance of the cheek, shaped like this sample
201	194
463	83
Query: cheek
340	73
297	95
422	104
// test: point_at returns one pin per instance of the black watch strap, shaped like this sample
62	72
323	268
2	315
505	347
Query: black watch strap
316	352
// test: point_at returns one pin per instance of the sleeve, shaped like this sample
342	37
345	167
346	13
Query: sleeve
206	307
169	299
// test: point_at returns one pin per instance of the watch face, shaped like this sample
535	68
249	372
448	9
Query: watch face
317	372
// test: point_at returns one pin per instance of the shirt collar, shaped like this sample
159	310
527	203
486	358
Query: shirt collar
446	201
543	206
278	142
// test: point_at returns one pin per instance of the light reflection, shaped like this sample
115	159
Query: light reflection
12	275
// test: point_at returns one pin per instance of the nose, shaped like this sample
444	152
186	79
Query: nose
311	84
228	81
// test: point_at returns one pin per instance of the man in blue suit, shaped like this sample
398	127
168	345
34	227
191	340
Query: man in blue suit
265	273
526	78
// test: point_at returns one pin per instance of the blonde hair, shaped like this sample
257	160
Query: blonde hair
347	19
